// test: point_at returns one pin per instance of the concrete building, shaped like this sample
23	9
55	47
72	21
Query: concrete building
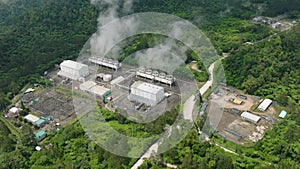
93	88
264	105
146	93
86	86
73	70
250	117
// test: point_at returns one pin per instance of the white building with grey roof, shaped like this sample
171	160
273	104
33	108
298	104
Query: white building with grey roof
73	70
146	93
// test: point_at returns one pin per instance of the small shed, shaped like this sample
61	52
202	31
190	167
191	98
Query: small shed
38	148
235	111
40	135
242	96
29	90
14	110
237	101
283	114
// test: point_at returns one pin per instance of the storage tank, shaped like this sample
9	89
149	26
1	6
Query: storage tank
107	77
100	75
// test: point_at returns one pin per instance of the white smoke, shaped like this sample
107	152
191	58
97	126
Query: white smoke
106	37
166	56
109	35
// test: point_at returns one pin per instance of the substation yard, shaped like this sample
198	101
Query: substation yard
53	102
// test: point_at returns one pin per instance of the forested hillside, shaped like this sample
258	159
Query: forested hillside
41	36
269	68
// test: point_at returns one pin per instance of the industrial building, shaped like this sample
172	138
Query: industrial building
86	86
73	70
155	75
31	118
265	105
92	87
100	91
146	93
250	117
113	64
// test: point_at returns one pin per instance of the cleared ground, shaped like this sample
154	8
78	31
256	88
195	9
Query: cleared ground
239	130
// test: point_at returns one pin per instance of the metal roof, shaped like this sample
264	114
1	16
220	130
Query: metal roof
283	114
265	104
31	118
250	116
87	85
40	121
100	90
14	110
39	134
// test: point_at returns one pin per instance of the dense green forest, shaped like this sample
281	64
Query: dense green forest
269	68
40	37
35	35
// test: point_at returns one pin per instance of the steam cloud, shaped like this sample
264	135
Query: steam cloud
107	37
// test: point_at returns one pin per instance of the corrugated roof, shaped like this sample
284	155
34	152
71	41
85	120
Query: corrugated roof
100	90
265	104
237	101
40	121
283	114
250	116
87	85
40	133
31	118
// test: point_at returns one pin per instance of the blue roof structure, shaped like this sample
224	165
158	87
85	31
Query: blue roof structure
40	122
283	114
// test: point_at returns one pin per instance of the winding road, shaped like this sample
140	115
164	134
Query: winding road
187	114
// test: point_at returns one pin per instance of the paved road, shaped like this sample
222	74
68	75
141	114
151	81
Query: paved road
187	114
206	86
